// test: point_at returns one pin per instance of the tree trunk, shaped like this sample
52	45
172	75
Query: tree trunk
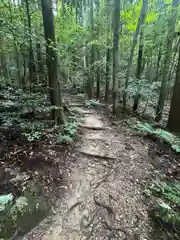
116	25
63	8
135	37
16	49
108	57
98	76
174	114
40	67
138	71
174	57
167	57
91	77
51	61
32	68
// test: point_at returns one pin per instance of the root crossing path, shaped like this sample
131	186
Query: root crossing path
103	196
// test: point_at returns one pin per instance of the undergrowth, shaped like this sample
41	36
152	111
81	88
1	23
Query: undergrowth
167	137
68	133
91	103
166	209
30	113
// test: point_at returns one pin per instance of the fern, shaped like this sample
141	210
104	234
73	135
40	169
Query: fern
166	136
91	102
167	198
68	134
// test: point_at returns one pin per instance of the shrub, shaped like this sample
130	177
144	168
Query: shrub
167	203
68	134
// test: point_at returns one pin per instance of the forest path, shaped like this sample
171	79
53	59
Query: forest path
104	185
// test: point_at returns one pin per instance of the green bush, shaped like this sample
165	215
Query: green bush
167	202
170	138
91	103
64	139
68	134
32	130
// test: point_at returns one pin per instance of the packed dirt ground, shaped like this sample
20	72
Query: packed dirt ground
103	183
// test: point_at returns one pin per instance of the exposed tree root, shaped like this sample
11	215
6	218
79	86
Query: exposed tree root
76	105
112	228
92	229
104	178
74	206
92	219
107	207
93	127
103	156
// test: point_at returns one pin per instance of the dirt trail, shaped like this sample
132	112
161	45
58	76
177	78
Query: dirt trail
103	197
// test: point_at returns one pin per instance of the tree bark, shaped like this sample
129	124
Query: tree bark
91	78
98	76
140	55
108	57
174	114
116	25
138	71
32	68
167	57
51	61
135	37
16	49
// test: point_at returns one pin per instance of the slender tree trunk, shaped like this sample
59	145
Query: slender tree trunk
116	25
98	58
158	62
91	79
108	57
98	76
138	71
108	27
174	114
51	58
40	65
140	57
63	8
174	57
167	57
16	49
32	68
135	37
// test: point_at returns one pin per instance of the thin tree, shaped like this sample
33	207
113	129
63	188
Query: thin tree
31	55
51	61
116	25
91	77
174	114
108	51
140	55
98	76
108	58
167	58
135	38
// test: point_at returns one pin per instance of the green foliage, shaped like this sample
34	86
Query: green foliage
22	109
67	139
170	138
70	129
32	130
144	88
91	103
167	199
68	133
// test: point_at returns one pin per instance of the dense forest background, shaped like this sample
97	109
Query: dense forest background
123	52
